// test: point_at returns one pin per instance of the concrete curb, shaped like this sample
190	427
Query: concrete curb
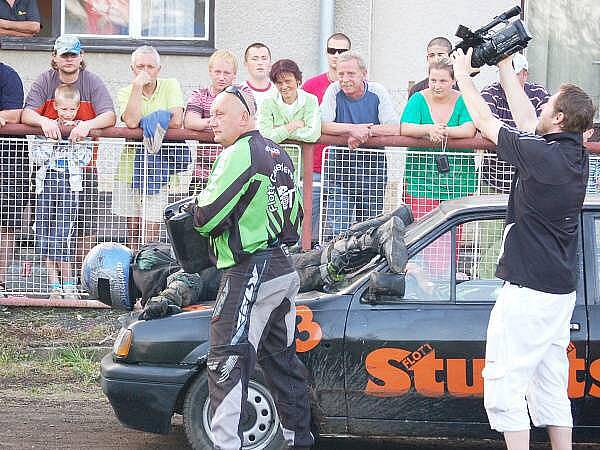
45	302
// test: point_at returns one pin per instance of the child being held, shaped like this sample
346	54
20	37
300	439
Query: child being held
58	182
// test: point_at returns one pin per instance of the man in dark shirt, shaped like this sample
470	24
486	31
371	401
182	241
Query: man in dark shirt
526	366
14	170
498	174
19	18
437	49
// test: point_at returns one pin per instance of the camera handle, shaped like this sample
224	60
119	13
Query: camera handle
515	11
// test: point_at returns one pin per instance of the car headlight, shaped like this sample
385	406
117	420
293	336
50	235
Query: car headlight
123	343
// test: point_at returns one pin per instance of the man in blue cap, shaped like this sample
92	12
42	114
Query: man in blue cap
96	111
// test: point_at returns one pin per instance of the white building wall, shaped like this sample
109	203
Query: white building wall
565	50
390	34
402	28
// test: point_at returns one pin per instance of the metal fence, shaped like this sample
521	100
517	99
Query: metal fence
58	200
363	183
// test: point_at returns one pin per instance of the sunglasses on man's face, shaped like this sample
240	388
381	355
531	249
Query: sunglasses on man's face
333	51
235	91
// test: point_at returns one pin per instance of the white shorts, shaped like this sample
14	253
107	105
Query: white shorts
526	364
129	202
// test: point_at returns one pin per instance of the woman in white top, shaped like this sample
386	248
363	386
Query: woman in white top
292	114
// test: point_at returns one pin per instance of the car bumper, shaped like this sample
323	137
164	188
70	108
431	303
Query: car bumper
143	397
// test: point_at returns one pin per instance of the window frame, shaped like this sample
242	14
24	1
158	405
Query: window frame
171	46
429	238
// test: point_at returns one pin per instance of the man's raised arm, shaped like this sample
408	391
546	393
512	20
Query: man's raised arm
520	105
479	110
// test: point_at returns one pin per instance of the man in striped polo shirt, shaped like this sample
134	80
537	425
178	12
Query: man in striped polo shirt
497	174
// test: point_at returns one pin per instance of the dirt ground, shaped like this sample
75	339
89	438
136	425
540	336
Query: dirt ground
84	420
73	420
50	395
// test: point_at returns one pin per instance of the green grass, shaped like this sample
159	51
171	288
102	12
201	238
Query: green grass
83	364
44	348
11	354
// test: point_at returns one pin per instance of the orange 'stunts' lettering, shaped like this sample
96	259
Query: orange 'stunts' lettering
389	370
426	370
309	331
576	388
595	374
390	381
456	373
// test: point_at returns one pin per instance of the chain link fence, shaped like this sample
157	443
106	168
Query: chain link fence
360	184
59	199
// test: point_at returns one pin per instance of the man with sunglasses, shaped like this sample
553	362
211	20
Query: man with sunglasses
337	44
250	211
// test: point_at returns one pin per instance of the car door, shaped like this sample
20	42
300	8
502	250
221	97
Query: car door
415	363
590	385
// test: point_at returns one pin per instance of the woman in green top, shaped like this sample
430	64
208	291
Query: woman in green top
293	113
437	113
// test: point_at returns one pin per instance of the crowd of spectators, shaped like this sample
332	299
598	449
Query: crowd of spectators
342	101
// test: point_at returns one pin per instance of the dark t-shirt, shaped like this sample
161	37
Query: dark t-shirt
12	155
539	250
11	88
22	11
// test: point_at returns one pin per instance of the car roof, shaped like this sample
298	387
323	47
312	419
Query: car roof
474	203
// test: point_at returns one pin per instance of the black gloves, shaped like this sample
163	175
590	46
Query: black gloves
158	307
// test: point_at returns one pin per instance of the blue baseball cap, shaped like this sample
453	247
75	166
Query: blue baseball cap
67	44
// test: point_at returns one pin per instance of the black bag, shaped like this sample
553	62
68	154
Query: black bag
191	249
151	266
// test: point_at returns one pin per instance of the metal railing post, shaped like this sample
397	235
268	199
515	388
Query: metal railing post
307	185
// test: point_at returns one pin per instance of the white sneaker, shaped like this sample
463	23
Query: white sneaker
71	292
56	294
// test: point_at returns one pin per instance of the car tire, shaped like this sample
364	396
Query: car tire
262	429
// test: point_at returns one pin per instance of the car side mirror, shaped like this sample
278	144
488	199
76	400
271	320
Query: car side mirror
385	286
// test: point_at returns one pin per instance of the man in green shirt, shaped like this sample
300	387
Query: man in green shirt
250	211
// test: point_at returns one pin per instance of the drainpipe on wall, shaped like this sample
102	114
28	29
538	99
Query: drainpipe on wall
327	16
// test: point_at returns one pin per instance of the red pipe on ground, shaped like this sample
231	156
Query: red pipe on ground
45	302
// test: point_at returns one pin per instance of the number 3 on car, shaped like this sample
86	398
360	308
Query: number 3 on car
309	331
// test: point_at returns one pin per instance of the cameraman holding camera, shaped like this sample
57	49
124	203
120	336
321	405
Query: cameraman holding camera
526	361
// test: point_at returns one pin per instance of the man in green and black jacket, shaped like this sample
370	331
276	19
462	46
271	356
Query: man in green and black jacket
250	211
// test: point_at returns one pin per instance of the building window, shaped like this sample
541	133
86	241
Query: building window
172	26
153	19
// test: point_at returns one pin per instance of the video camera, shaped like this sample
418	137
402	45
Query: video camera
492	47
